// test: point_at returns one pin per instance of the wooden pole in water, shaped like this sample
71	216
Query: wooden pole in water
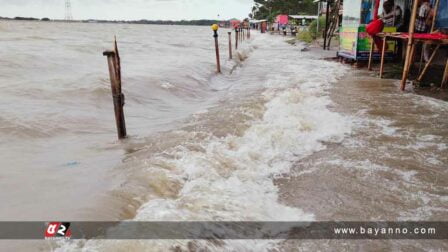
407	63
215	28
236	38
113	60
239	34
230	45
248	33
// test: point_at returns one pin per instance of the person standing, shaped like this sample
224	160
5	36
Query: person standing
421	24
392	15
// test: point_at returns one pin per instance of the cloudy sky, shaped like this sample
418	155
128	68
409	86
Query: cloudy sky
128	9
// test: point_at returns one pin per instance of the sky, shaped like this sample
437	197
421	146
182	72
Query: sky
129	9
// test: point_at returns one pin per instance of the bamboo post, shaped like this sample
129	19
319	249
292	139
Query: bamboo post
248	33
230	45
434	18
372	47
113	60
407	62
215	28
236	38
445	76
428	63
383	51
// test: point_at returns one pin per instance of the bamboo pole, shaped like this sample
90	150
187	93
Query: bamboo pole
372	47
428	63
434	18
383	51
407	62
445	76
230	45
113	60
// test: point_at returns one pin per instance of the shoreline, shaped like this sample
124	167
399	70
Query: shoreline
388	184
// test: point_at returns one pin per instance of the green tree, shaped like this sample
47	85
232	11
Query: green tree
265	9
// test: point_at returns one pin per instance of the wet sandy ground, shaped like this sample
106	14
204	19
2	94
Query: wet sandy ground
393	167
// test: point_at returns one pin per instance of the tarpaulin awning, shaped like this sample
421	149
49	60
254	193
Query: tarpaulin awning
282	19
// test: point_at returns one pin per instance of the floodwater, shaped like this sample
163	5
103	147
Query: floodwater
281	135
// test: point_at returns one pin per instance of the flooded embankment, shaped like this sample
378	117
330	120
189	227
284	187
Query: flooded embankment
392	167
280	135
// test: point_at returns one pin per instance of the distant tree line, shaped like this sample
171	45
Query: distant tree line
143	21
269	9
161	22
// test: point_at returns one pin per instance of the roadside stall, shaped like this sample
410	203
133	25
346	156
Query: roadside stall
302	20
436	36
355	43
260	25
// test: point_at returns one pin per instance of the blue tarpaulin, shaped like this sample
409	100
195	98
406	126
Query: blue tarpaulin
442	15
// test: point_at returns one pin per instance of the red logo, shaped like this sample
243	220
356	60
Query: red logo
58	230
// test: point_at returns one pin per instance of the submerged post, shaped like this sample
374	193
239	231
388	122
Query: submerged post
236	38
230	45
215	28
113	60
240	33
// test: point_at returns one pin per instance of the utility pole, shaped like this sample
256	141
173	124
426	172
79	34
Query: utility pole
68	11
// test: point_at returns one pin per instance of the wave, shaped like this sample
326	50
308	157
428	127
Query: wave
223	166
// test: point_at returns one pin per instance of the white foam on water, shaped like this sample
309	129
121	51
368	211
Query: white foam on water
232	178
167	85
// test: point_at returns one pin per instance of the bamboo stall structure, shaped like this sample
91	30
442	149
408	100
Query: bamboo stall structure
412	40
